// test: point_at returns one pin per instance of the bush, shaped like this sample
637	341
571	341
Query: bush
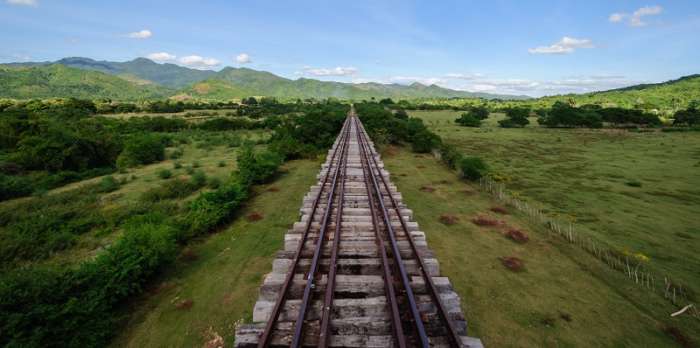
424	141
109	184
256	167
467	120
171	189
211	209
141	149
450	156
515	117
199	178
12	186
165	174
472	168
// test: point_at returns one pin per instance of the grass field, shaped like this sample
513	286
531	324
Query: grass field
637	192
221	273
201	152
562	298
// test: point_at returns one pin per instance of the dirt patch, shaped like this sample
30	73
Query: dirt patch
184	304
499	210
513	263
428	189
678	336
448	219
565	316
188	255
517	236
483	220
213	339
202	88
273	189
254	216
390	151
420	166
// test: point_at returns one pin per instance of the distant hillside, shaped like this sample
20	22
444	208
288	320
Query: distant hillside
48	81
668	95
242	82
142	69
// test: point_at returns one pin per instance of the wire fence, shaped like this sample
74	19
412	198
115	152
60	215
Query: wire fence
632	265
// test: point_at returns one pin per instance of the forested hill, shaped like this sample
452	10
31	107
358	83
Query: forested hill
243	82
669	95
50	81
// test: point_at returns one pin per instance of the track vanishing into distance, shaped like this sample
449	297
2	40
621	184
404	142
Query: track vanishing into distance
355	270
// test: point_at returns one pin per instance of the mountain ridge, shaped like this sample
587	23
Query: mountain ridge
257	82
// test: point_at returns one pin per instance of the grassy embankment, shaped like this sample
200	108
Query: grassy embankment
563	297
637	192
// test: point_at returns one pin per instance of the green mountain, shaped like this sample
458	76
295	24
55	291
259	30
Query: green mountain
242	82
669	95
53	81
140	70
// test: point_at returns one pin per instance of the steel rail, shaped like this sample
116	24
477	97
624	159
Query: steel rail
324	333
386	268
306	298
269	327
413	306
432	289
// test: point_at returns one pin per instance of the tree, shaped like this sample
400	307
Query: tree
690	117
479	112
515	117
472	168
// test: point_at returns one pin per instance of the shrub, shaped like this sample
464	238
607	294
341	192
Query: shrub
176	153
109	184
199	178
472	168
257	167
515	117
424	141
12	186
171	189
165	174
214	183
450	156
177	165
221	164
141	149
468	120
211	209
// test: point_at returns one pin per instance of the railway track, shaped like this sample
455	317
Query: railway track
355	271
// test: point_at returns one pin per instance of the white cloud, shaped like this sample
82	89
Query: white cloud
464	76
199	62
564	46
422	80
33	3
161	56
617	17
141	34
243	58
636	18
337	71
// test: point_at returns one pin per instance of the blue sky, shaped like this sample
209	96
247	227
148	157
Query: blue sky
516	47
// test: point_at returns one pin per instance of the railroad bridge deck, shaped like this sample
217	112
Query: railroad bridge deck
355	271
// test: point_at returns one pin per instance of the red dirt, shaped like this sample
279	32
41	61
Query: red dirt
428	189
184	304
513	263
448	219
482	220
517	236
499	210
254	216
273	189
188	255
